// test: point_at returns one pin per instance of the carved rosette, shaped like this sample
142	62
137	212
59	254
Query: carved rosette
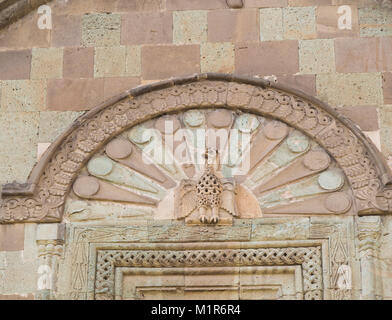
355	157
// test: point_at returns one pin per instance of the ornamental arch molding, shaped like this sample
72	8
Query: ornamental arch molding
55	177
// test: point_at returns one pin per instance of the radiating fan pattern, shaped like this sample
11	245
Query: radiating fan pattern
153	171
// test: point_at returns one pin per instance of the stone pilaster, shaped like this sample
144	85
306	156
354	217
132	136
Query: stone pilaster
369	232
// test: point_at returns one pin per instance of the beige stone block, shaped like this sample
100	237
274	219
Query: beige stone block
133	61
316	56
54	123
47	63
50	231
271	24
302	3
265	3
387	87
195	5
41	149
109	61
189	27
375	22
217	57
18	143
23	95
385	113
299	22
101	29
350	88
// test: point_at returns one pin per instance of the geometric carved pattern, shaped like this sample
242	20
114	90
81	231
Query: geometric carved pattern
42	198
308	257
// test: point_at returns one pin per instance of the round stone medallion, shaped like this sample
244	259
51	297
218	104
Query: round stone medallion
275	130
220	118
119	149
298	143
317	160
247	123
194	118
100	166
331	180
140	135
167	124
338	202
86	186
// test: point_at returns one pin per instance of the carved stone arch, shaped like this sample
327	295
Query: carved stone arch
42	198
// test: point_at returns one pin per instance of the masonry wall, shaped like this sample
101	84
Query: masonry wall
97	49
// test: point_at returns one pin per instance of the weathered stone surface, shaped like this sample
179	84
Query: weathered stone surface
53	123
78	62
350	89
265	3
47	63
299	23
217	57
15	65
101	30
271	24
233	26
280	229
387	87
147	28
133	61
304	3
363	55
316	56
327	20
23	95
12	237
159	62
375	22
16	165
189	27
74	94
267	58
67	31
386	129
110	61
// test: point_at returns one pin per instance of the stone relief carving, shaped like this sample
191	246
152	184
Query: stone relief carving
308	257
43	198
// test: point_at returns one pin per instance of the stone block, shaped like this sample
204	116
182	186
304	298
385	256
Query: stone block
316	56
265	3
267	58
67	31
139	5
53	123
350	88
147	28
102	30
47	63
305	83
50	231
327	20
217	57
280	229
17	162
25	33
15	64
189	27
271	24
78	63
305	3
375	22
74	94
115	86
299	22
133	61
363	54
364	116
386	129
23	95
387	87
195	5
12	237
160	62
109	61
233	25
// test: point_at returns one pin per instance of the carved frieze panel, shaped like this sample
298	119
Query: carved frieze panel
339	146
